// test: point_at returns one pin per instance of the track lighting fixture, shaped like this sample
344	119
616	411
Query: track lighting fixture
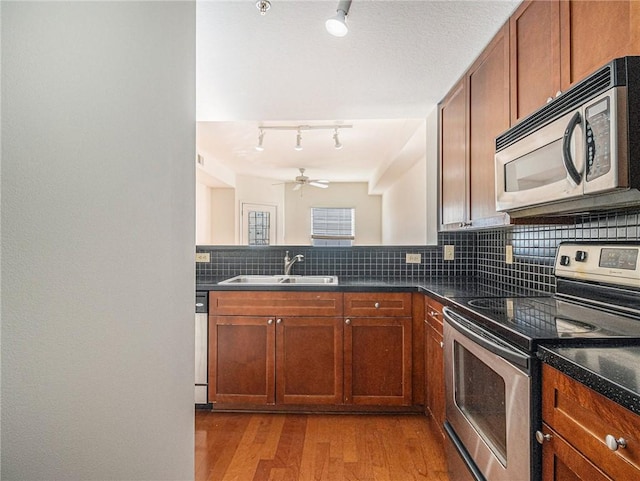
337	25
337	145
298	140
299	129
263	6
259	147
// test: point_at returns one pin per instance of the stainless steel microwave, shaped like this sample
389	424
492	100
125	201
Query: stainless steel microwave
579	153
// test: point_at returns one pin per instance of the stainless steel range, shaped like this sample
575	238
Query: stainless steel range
492	375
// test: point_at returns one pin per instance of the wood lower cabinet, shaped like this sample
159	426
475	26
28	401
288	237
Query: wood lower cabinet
241	359
578	420
434	363
309	360
378	350
277	347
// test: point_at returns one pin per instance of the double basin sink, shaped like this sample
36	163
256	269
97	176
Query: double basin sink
282	280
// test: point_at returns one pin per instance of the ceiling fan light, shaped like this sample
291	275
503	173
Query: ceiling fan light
337	25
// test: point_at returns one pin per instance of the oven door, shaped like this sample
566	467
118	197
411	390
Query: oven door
488	400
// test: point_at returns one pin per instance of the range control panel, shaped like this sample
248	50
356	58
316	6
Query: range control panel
611	263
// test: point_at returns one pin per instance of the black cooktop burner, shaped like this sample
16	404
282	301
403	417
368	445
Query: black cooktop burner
526	321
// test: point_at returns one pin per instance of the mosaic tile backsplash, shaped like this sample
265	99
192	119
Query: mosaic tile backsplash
479	254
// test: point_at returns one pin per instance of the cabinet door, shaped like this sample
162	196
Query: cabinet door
453	157
561	462
434	377
584	418
535	56
594	32
309	360
241	359
488	117
377	361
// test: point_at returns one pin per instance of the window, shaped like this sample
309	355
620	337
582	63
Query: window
332	226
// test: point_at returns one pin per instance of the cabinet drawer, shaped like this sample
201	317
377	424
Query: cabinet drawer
377	304
433	314
275	303
585	418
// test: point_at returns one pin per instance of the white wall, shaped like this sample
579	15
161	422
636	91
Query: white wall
432	177
404	208
97	240
223	222
339	194
204	219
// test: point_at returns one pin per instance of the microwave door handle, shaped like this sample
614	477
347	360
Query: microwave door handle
566	150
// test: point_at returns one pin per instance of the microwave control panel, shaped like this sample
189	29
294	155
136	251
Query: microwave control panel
598	138
610	263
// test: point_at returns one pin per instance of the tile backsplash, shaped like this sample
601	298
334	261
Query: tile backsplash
478	254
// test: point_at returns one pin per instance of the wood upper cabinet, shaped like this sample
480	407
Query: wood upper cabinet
453	156
579	420
378	350
471	116
556	43
595	32
535	56
488	117
434	363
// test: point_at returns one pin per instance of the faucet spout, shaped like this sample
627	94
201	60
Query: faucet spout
288	262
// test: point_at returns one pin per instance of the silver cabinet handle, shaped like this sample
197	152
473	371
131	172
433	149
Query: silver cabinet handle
270	321
347	321
441	344
377	305
541	437
549	99
613	444
279	321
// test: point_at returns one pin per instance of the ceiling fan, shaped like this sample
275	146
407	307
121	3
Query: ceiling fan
302	180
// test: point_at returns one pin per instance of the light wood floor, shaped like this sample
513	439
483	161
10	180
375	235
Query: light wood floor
316	447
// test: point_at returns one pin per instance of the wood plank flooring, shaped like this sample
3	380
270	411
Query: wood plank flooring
316	447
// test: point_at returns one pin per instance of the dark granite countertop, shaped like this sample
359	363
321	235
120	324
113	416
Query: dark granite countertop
440	288
612	371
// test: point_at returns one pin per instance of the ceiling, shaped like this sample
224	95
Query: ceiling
397	61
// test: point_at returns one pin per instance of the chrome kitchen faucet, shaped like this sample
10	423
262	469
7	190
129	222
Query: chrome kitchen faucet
288	262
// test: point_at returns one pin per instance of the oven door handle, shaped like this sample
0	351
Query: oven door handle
485	340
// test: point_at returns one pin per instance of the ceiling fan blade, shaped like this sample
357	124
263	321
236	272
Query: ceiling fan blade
323	184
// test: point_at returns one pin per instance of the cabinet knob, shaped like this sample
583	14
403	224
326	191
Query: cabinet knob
347	321
541	437
377	305
278	321
270	321
435	313
613	444
441	344
549	99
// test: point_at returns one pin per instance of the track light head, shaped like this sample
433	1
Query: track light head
259	147
263	6
298	141
337	25
337	145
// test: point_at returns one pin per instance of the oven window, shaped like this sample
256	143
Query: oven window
536	169
480	396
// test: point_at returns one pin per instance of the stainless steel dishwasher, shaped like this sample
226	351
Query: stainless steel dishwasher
201	346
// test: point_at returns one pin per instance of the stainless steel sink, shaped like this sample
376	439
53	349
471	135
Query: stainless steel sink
282	280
